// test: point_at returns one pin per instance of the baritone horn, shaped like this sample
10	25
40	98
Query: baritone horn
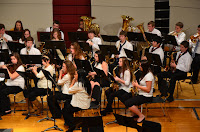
126	21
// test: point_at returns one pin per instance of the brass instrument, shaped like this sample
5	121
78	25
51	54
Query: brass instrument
143	45
134	90
87	24
194	38
126	21
114	85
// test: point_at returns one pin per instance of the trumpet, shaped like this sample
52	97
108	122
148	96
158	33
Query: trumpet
194	38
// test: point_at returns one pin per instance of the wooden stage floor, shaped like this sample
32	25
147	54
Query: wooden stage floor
184	113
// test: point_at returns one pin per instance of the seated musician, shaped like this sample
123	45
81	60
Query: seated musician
13	85
123	43
145	88
93	41
81	26
76	52
152	29
42	85
56	24
26	34
4	38
194	43
80	98
18	26
124	81
29	49
66	80
180	68
98	81
180	36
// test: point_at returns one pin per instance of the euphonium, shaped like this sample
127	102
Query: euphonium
194	37
87	21
144	46
96	28
126	21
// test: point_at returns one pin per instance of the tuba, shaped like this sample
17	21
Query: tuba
143	45
126	21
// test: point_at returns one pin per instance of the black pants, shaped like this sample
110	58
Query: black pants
4	99
195	68
53	104
137	100
68	112
177	75
32	93
121	94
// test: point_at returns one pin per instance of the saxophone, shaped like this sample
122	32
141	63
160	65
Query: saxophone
114	85
134	90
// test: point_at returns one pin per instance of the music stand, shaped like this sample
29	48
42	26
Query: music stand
43	36
15	35
78	36
110	38
85	46
87	123
133	36
27	75
169	39
133	55
31	59
4	56
15	46
150	36
49	77
83	64
108	49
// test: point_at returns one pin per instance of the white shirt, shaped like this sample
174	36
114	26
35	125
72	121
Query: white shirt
96	42
127	78
32	51
155	31
193	45
23	42
159	51
127	45
4	44
50	29
19	81
148	77
80	97
65	82
70	58
184	62
42	83
180	38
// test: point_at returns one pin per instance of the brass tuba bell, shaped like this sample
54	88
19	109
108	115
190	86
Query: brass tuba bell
126	21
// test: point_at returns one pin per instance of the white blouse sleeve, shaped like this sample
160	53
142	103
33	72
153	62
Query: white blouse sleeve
127	77
64	79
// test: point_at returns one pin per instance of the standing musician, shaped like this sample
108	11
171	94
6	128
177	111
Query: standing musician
179	34
93	41
76	52
13	85
29	49
56	24
184	60
194	43
42	85
124	80
98	81
145	87
152	29
123	43
66	80
80	98
18	26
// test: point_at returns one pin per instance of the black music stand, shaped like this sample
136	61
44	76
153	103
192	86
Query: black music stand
85	46
133	36
31	59
110	38
133	55
49	77
27	75
169	39
78	36
15	35
150	36
83	64
108	49
43	36
15	46
87	124
4	56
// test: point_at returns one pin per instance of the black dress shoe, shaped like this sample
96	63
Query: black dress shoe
192	82
104	112
6	113
170	99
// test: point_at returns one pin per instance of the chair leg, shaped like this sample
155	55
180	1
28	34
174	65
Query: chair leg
177	89
42	104
146	110
141	108
193	87
14	102
162	109
167	113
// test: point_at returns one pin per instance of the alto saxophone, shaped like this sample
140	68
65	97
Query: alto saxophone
114	85
134	90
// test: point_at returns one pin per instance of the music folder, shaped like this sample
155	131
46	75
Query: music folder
85	46
83	64
4	56
133	36
108	50
153	59
31	59
43	36
15	46
15	35
132	54
4	74
169	39
150	36
109	38
78	36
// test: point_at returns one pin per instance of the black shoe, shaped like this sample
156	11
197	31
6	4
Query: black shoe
104	112
154	90
192	82
6	113
170	99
